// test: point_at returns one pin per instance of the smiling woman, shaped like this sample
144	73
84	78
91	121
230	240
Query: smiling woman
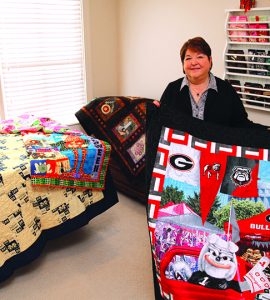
202	95
197	62
197	67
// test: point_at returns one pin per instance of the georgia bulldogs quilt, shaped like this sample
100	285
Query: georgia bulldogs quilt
209	210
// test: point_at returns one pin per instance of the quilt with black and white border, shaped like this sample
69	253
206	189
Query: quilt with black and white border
208	209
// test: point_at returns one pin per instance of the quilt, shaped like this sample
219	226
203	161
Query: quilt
209	209
32	212
121	122
59	156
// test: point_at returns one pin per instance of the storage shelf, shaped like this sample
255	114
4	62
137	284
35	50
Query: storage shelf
240	10
249	29
250	43
250	88
241	36
247	62
257	107
255	95
250	22
248	75
247	55
248	69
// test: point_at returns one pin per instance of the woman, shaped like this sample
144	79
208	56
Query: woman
201	94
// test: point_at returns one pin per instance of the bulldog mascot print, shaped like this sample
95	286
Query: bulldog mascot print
217	264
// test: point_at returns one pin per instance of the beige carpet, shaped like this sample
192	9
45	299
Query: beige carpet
108	259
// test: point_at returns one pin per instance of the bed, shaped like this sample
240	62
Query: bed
39	203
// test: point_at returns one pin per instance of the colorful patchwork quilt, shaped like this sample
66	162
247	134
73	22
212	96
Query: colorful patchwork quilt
209	209
59	156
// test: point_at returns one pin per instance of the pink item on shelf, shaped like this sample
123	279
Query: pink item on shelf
263	33
258	35
253	34
238	35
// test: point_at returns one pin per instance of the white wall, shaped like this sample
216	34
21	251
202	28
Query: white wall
101	39
151	33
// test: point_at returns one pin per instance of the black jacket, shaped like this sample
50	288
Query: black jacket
223	107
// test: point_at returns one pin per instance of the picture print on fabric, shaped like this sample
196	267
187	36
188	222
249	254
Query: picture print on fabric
121	122
209	219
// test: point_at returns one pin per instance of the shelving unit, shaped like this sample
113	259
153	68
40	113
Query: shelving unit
247	56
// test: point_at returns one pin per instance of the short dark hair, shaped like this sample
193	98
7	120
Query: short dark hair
197	44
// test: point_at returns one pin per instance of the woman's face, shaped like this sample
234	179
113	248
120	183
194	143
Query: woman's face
196	66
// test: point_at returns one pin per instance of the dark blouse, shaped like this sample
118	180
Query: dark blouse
222	107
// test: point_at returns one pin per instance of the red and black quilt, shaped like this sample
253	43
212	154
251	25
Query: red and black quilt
208	209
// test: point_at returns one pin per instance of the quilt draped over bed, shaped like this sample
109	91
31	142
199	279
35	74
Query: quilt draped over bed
30	214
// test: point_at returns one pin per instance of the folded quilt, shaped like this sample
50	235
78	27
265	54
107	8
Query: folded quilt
67	160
